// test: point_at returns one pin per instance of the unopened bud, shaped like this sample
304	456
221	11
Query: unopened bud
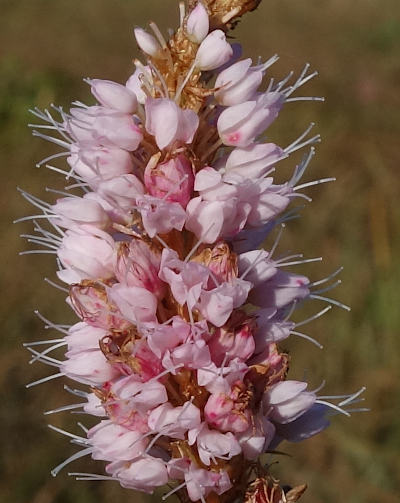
147	42
214	51
198	24
113	95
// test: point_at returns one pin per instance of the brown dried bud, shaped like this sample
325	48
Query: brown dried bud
224	14
268	490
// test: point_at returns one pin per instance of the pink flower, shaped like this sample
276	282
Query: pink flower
254	160
286	401
172	180
200	482
88	252
88	367
238	83
233	341
80	210
101	126
212	444
143	474
134	83
159	216
282	289
174	421
239	125
217	305
186	279
113	442
95	164
136	304
121	191
225	412
257	437
138	264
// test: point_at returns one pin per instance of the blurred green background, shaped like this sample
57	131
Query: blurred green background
47	46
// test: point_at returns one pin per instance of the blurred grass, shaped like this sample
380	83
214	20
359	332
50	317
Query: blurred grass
46	48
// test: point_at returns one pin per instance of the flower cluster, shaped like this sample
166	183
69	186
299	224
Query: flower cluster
180	310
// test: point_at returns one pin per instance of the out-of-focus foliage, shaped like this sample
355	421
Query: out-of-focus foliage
47	46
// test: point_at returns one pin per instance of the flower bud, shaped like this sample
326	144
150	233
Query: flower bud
113	95
238	83
172	180
214	51
197	24
168	122
147	42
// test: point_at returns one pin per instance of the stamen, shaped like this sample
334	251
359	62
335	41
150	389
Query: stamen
68	434
75	456
50	324
301	137
351	398
45	379
32	252
59	287
331	301
273	59
324	280
333	406
76	392
51	157
51	139
305	261
181	13
170	493
43	358
165	372
185	81
64	408
32	217
254	264
198	244
38	241
306	98
165	92
315	182
158	34
330	287
83	427
91	476
38	343
314	317
48	350
277	239
308	338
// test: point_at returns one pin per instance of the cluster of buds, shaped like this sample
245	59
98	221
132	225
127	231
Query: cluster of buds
181	312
